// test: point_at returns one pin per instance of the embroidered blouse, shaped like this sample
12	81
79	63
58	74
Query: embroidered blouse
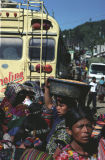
69	154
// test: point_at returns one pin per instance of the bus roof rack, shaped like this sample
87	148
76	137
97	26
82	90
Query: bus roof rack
8	4
24	4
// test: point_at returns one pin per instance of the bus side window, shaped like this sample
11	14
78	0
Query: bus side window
11	48
10	53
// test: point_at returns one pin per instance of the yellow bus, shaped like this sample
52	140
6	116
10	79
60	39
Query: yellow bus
31	47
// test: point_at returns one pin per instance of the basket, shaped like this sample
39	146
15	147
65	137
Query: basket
69	88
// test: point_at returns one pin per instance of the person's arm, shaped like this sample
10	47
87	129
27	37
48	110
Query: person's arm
47	96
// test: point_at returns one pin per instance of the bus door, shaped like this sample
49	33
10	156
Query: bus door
11	62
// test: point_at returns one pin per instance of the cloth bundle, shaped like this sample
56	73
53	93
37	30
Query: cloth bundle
30	141
16	93
38	96
19	110
100	123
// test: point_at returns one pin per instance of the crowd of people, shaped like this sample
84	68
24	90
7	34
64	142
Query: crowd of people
37	125
97	91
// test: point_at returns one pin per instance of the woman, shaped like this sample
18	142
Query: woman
101	146
58	131
79	123
101	90
33	130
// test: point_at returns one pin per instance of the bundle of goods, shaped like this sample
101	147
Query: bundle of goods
100	123
101	117
5	104
38	96
16	93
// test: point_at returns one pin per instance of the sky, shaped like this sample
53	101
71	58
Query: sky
71	13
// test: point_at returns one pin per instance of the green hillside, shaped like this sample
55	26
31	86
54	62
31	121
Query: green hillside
87	35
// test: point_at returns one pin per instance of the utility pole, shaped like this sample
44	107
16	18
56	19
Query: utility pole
52	13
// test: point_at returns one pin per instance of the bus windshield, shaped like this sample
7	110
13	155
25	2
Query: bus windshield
48	49
98	69
10	48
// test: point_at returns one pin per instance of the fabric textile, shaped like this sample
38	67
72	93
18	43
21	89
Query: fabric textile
101	149
16	92
32	154
38	96
69	154
6	154
59	134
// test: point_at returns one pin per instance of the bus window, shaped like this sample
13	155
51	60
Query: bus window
10	48
48	48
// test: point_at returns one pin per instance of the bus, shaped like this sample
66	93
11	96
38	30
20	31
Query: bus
31	46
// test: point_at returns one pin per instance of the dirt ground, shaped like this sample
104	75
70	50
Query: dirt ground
100	107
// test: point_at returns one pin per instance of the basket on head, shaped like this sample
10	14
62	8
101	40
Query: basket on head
69	88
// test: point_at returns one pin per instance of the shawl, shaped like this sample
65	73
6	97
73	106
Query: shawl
59	134
31	154
101	149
